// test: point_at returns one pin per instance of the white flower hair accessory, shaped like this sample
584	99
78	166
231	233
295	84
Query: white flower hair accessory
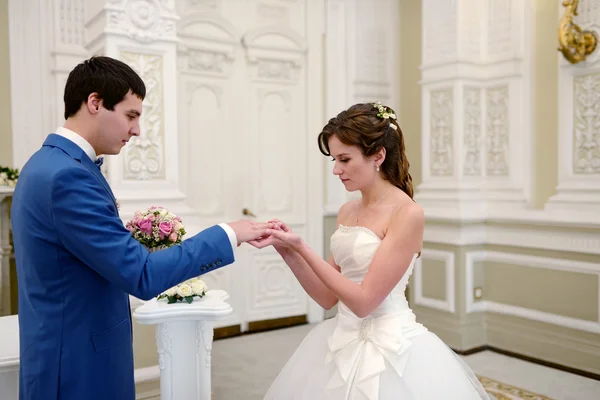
385	113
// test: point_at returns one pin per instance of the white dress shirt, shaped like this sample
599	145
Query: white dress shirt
91	153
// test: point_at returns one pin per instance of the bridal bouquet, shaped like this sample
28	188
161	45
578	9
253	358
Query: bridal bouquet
185	291
156	228
8	176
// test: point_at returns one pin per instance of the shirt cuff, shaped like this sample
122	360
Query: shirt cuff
231	234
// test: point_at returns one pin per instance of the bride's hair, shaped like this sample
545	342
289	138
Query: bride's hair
372	127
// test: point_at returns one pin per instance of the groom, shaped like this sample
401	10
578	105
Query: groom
76	262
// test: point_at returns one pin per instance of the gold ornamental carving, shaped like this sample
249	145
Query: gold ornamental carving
574	43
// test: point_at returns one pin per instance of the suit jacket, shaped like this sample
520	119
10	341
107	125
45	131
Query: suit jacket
76	266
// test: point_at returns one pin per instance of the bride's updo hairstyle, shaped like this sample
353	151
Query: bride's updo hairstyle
372	126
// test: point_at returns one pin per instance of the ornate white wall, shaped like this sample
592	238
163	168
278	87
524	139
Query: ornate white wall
579	124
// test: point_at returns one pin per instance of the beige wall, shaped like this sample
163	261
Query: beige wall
5	125
546	101
410	91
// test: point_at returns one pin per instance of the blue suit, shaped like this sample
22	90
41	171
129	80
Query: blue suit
76	266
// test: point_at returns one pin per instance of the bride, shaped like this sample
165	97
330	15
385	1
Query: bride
373	349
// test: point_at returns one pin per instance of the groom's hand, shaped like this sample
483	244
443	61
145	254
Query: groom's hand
246	230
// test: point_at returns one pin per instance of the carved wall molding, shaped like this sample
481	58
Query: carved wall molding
473	139
586	124
209	45
144	21
275	54
441	141
144	156
497	131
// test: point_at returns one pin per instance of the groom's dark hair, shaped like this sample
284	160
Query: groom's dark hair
110	78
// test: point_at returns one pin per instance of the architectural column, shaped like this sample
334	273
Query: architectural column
578	187
476	147
143	34
476	116
362	66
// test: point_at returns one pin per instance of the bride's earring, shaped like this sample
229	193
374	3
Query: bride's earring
377	169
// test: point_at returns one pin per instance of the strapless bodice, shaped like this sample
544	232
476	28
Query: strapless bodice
353	249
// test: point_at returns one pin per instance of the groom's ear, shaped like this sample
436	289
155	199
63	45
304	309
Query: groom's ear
94	102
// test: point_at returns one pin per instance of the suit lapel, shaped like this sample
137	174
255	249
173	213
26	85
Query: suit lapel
89	164
78	154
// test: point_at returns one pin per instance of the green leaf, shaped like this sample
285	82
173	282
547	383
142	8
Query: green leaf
189	299
172	299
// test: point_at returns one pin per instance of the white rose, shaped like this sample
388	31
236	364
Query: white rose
171	292
184	290
178	226
3	175
199	287
163	212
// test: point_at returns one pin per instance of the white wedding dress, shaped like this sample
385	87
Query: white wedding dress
385	356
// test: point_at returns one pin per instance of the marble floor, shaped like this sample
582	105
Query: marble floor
245	366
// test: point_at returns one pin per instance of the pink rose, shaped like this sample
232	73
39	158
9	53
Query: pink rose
146	226
178	225
165	228
173	237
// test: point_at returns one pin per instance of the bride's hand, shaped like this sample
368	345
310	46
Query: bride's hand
280	237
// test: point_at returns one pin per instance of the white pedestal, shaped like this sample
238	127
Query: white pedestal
184	338
9	357
5	251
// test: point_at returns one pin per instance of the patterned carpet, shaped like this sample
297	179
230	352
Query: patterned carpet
501	391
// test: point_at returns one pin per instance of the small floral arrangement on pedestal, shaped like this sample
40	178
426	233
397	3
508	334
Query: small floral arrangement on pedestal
185	291
157	229
8	176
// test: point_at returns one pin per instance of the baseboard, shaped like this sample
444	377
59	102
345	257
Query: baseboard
533	360
474	350
149	395
277	323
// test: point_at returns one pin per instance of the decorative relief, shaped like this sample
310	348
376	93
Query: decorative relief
277	70
575	43
473	138
71	22
204	340
142	20
497	131
586	124
144	155
441	141
206	61
163	344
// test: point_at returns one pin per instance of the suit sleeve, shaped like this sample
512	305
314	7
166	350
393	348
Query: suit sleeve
89	227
